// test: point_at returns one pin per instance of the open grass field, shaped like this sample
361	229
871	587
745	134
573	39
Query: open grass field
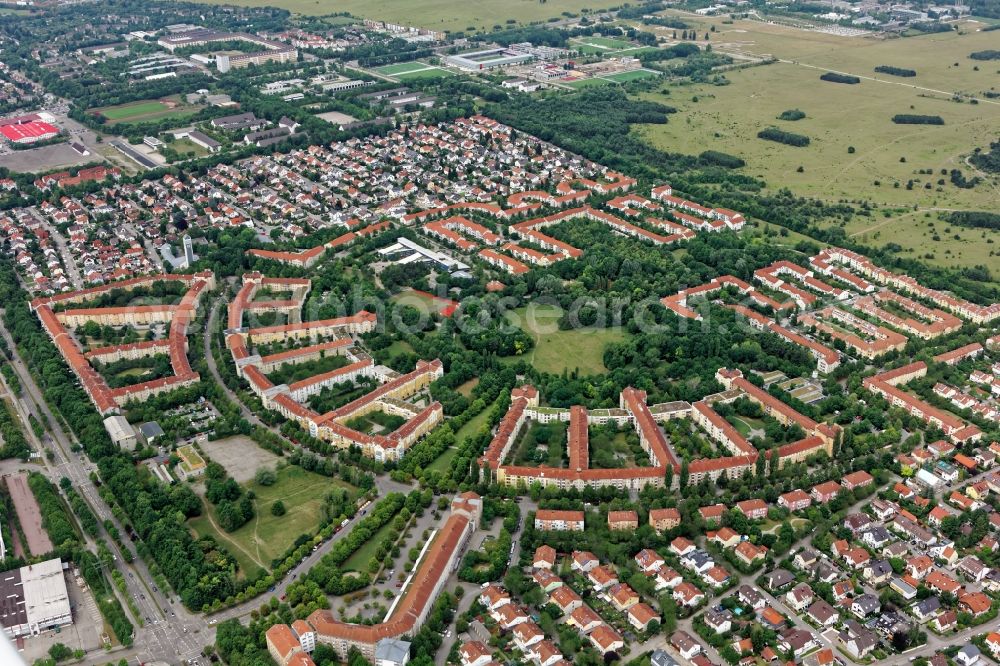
554	351
413	70
886	156
602	43
153	109
588	83
634	75
266	536
401	67
424	74
435	14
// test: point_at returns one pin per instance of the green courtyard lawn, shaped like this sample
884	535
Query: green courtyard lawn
555	350
376	422
267	537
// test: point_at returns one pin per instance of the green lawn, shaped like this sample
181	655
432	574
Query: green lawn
474	424
359	560
580	349
400	67
153	109
266	536
587	83
603	43
443	462
634	75
430	73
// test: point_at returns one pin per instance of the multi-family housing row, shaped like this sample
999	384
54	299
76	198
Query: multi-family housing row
438	559
57	318
330	336
887	384
979	314
634	411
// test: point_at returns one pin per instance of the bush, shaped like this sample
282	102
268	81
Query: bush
989	54
278	508
781	136
915	119
792	114
833	77
895	71
265	477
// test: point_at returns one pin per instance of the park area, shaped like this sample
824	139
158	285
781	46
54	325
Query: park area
855	151
267	536
146	110
580	349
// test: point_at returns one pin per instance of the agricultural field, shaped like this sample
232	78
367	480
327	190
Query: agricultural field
856	152
154	109
437	14
555	350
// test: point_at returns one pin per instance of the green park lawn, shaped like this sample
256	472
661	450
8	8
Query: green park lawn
267	537
555	350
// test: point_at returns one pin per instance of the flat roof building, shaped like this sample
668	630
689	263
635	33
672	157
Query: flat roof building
34	599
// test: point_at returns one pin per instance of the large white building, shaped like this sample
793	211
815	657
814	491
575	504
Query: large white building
34	599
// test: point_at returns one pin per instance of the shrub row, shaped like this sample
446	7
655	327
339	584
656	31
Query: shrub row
833	77
781	136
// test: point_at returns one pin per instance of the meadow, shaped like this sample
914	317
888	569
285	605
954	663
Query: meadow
435	14
266	537
579	349
856	152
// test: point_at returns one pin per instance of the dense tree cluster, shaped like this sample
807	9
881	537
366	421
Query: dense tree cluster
834	77
895	71
781	136
982	219
916	119
989	160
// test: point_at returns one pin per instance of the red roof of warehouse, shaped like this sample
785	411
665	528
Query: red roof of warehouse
32	129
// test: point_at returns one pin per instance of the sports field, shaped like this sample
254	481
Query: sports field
153	109
634	75
436	14
599	44
607	79
555	350
408	71
856	151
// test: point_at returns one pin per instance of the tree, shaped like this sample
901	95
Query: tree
683	480
59	652
265	476
278	508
